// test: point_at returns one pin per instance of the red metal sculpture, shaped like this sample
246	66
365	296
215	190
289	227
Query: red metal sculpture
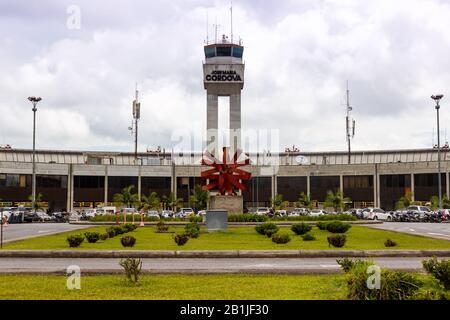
225	175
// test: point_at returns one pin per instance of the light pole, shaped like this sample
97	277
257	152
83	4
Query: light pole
437	98
34	101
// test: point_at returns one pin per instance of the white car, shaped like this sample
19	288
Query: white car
299	212
74	217
166	214
262	211
376	214
202	213
317	213
281	213
184	212
90	213
152	213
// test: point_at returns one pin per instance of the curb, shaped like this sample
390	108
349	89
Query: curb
203	254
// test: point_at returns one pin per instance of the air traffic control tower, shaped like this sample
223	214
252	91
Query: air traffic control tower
223	75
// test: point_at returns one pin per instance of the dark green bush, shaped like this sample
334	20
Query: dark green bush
128	241
92	237
281	238
338	227
192	229
322	225
104	236
194	218
111	232
118	230
394	285
432	294
161	227
341	217
337	240
301	228
132	269
128	227
181	239
440	270
308	237
247	217
75	240
267	229
390	243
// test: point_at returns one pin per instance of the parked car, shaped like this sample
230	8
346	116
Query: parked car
184	212
376	214
317	212
263	211
202	213
299	212
152	213
166	214
280	213
61	217
74	216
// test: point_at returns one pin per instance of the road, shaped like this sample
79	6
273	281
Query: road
434	230
14	232
242	265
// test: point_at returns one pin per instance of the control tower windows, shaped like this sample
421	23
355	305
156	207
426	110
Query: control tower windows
238	52
223	51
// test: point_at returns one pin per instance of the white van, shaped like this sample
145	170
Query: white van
106	210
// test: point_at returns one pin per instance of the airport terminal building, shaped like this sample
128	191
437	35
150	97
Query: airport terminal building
69	180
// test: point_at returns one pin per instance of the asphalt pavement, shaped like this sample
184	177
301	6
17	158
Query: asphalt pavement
200	266
14	232
433	230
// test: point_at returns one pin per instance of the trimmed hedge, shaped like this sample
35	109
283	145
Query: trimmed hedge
301	228
338	227
281	238
247	218
267	229
337	240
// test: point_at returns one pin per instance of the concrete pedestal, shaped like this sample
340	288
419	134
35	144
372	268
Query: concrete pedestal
232	204
217	220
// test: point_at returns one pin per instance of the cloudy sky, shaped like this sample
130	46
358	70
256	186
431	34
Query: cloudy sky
298	55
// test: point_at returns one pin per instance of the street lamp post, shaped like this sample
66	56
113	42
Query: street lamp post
34	101
437	98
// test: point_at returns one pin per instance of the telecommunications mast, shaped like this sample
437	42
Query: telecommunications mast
136	117
350	125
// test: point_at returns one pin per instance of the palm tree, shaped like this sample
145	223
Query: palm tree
38	201
150	202
278	203
404	202
171	201
199	198
126	197
434	203
336	200
304	201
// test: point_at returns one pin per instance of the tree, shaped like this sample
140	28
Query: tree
434	203
404	202
38	201
126	197
336	200
304	201
150	202
445	202
199	198
171	201
278	203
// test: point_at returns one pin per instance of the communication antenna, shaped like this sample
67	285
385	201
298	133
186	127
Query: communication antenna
207	27
350	125
136	117
231	14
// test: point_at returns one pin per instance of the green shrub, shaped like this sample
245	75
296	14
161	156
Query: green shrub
92	237
348	264
440	270
133	268
181	239
432	294
128	227
192	229
161	227
301	228
118	230
338	227
195	218
75	240
322	225
337	240
267	229
128	241
341	217
111	232
394	285
281	238
308	237
104	236
247	217
390	243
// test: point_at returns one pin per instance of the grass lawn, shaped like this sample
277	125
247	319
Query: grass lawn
237	238
177	287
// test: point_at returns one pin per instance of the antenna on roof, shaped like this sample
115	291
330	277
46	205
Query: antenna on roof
207	26
350	125
231	14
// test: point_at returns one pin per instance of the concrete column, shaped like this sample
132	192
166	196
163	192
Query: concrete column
212	123
447	185
72	189
375	195
69	188
341	184
139	184
412	188
274	186
173	181
105	200
308	185
235	121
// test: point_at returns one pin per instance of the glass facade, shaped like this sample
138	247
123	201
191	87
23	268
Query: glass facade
259	192
321	185
392	188
160	185
291	187
359	188
426	186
